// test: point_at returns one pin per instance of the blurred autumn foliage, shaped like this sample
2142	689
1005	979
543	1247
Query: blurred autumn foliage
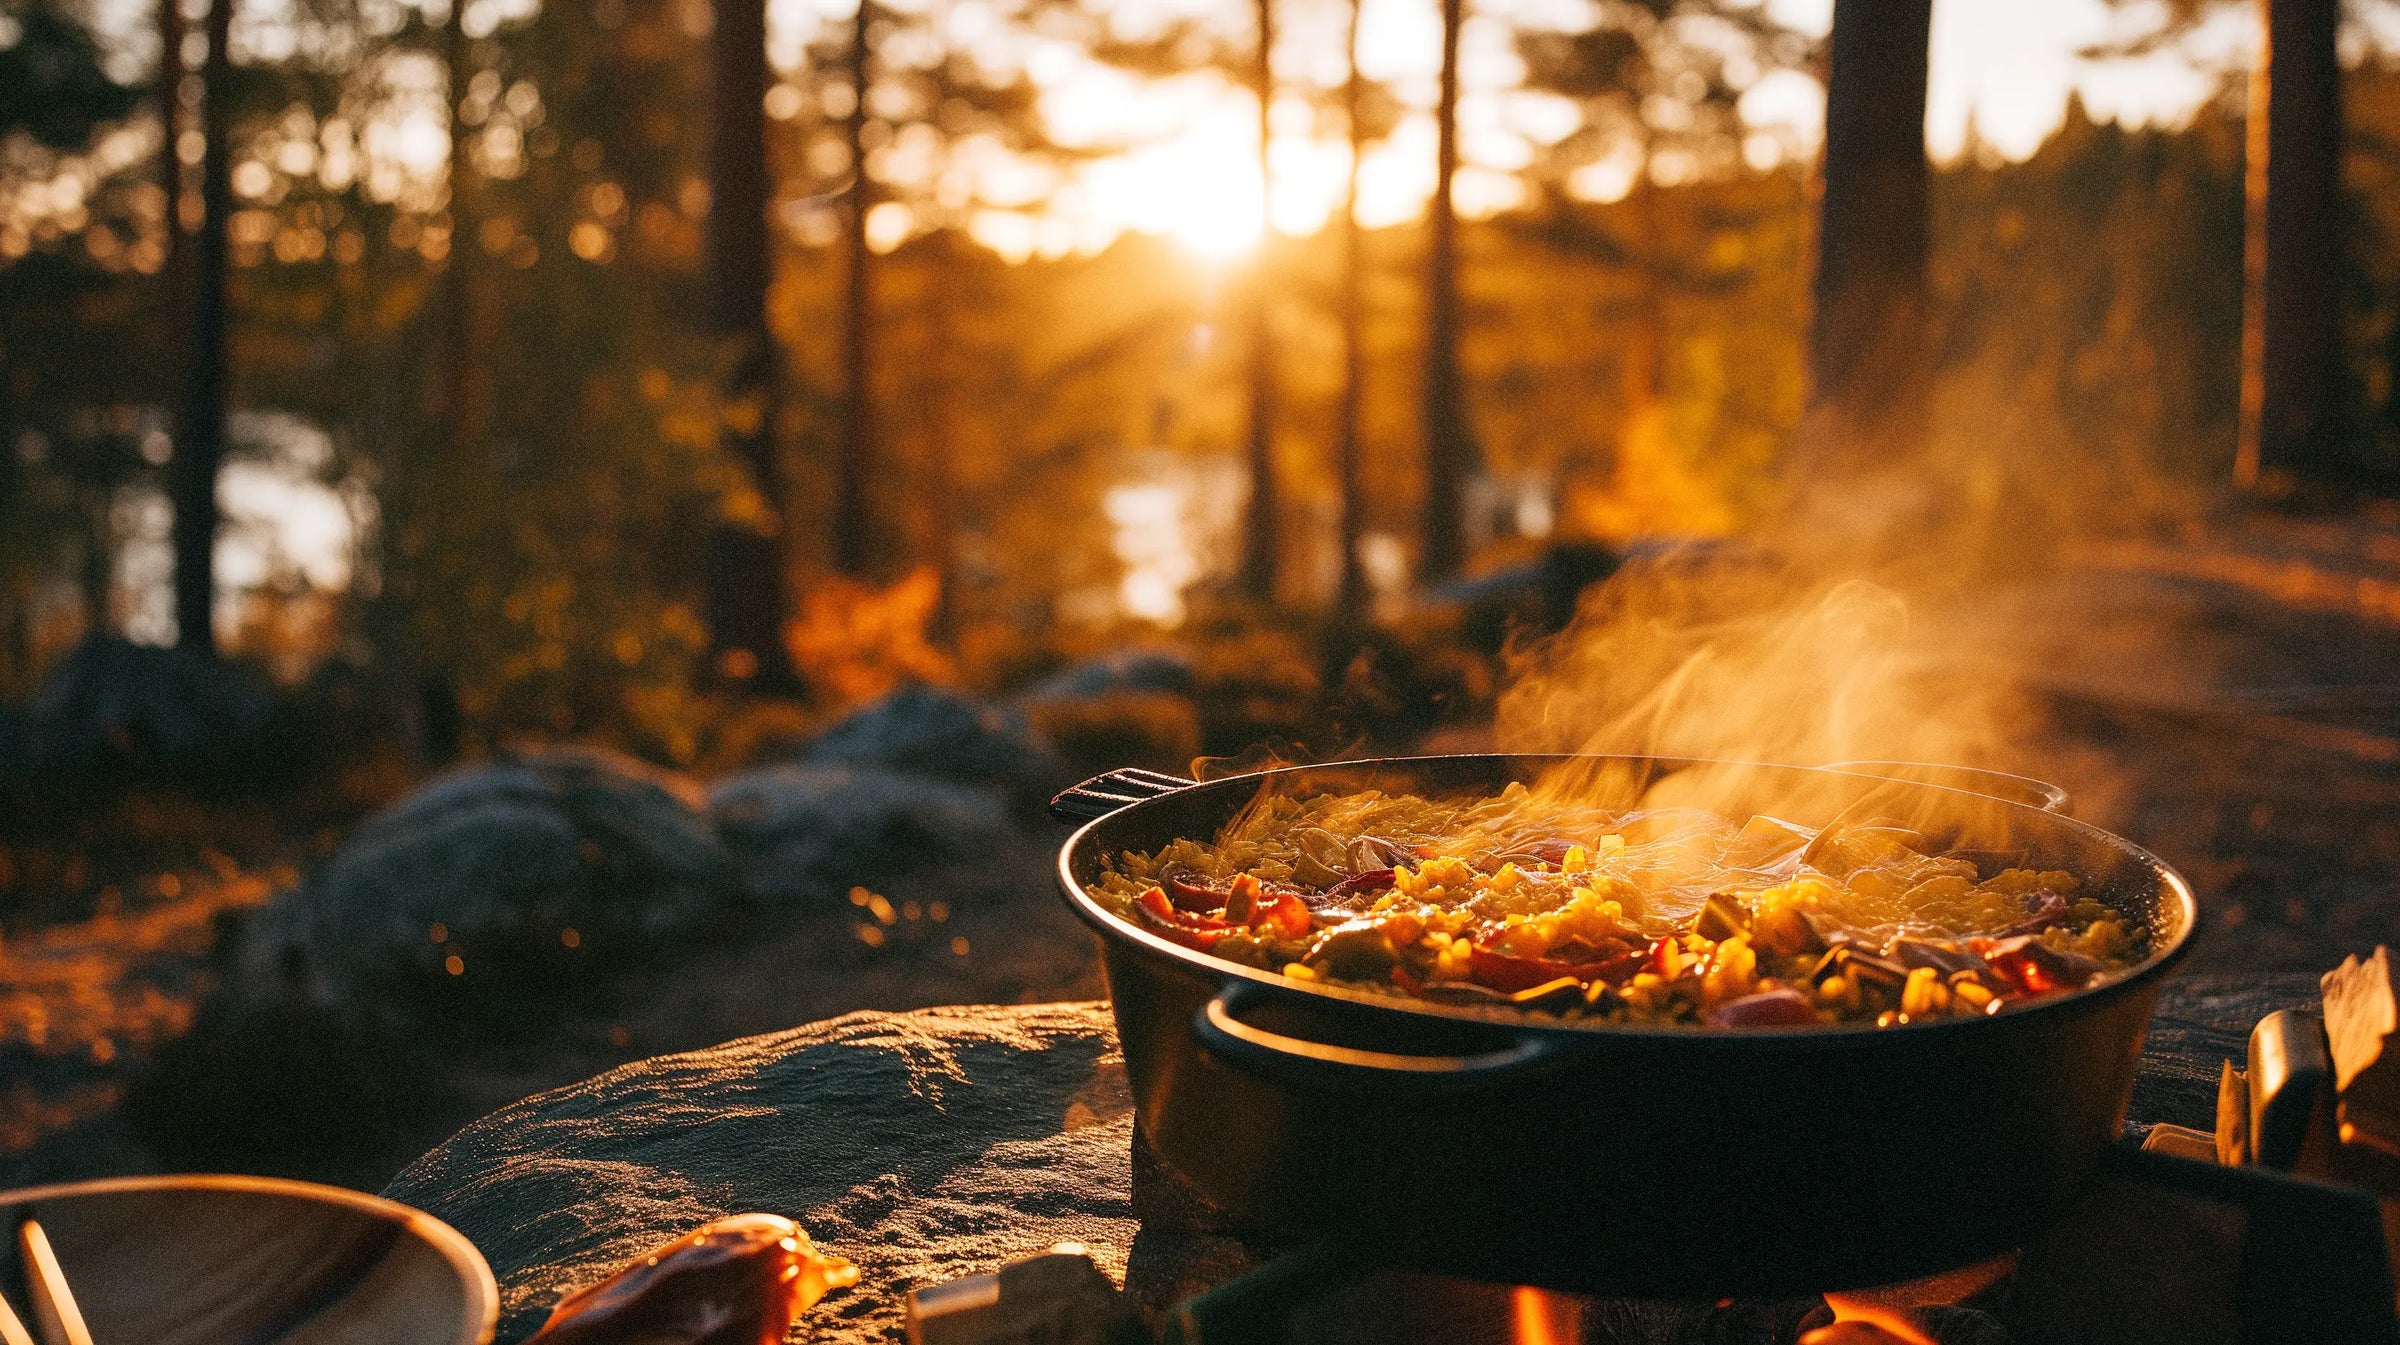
1634	367
859	644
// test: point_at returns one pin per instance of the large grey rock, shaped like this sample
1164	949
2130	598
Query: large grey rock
1127	672
1130	708
803	834
112	705
505	857
921	730
924	1146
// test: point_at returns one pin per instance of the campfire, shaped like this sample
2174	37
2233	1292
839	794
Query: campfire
2161	1250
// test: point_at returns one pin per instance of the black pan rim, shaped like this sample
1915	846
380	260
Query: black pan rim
2090	999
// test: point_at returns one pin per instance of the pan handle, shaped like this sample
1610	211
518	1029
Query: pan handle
1104	794
1298	1062
1973	779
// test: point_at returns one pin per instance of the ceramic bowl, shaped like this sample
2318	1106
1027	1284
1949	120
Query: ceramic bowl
188	1260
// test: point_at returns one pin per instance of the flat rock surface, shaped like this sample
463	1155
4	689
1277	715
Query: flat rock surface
932	1145
924	1146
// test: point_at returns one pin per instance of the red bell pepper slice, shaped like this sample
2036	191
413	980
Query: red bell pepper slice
1373	880
2035	968
1187	895
1155	913
1505	971
1282	913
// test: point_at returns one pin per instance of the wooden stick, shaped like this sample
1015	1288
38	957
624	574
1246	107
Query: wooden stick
54	1310
12	1330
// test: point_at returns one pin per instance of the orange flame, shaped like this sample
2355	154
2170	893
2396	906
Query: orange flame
1546	1318
1890	1320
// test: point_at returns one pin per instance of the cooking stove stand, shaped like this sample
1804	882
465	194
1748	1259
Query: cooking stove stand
2162	1251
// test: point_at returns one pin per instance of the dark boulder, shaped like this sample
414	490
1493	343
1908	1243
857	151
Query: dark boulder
1138	672
1131	708
494	866
804	834
926	731
289	1087
1158	730
924	1146
112	707
16	762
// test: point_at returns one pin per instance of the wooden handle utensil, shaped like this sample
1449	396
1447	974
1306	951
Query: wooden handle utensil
55	1314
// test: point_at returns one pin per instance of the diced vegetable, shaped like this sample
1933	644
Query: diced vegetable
1158	915
1769	1008
1504	972
1661	914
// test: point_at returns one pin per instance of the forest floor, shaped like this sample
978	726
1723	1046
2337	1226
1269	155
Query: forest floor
87	1002
2251	735
2234	707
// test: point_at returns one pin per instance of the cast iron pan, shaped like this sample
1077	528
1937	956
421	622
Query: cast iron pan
1630	1160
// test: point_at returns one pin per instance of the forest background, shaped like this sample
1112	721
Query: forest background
483	425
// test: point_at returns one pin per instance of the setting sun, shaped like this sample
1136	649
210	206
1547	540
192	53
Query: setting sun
1200	188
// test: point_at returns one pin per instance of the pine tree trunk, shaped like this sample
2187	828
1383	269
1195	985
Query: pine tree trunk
1449	438
174	278
939	489
96	569
1872	224
746	599
2292	421
175	267
852	523
1350	599
939	492
192	474
464	389
1650	381
1260	561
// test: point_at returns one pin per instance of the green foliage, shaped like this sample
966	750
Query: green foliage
545	565
67	393
2089	305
